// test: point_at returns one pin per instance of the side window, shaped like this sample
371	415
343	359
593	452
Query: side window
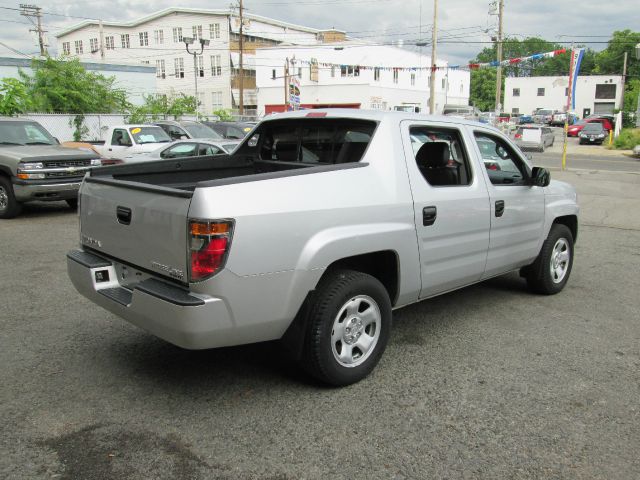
204	149
440	156
180	150
503	164
121	137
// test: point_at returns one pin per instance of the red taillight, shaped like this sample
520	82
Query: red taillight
209	247
518	135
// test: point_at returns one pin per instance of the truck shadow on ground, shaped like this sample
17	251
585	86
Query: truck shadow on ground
166	365
46	209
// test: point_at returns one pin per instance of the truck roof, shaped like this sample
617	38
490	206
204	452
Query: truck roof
376	115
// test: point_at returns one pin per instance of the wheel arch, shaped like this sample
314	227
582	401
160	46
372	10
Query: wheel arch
571	222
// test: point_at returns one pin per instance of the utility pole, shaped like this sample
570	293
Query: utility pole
31	12
286	85
624	80
499	72
241	76
434	43
101	40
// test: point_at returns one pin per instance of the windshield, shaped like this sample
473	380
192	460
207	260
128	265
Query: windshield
143	135
593	128
544	112
198	130
24	133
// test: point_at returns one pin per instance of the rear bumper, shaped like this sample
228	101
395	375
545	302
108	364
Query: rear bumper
26	191
186	319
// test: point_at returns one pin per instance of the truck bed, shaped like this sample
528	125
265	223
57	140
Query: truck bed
185	174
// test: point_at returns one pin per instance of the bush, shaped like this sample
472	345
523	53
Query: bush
628	138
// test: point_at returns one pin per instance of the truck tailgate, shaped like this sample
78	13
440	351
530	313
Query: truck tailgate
147	229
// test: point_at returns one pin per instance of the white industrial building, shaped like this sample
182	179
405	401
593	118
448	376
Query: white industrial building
137	80
594	94
354	74
157	40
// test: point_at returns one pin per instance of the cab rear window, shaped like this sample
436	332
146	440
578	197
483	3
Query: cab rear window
311	141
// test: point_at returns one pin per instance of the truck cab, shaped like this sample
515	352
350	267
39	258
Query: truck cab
125	142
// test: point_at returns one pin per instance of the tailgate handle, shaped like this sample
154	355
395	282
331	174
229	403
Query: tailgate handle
124	215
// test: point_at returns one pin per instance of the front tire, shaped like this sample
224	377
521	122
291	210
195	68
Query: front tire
550	272
349	323
9	206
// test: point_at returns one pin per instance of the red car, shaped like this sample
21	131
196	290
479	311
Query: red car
575	129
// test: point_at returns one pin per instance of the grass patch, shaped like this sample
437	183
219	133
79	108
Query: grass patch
628	138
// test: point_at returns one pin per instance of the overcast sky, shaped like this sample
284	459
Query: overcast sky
461	23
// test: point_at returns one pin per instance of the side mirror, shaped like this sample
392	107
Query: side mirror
540	177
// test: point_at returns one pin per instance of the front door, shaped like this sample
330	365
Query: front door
451	205
517	208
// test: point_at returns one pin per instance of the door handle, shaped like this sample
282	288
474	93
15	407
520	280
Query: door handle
429	215
111	149
123	214
499	208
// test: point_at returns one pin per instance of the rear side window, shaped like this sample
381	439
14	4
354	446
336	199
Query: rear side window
312	141
440	156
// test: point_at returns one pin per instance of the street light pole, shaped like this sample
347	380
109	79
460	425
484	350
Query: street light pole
189	41
498	105
434	43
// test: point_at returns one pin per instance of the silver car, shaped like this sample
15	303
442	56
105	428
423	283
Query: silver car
534	137
189	148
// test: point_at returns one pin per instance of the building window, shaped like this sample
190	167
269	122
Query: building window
395	75
300	73
376	74
413	79
78	45
216	66
566	92
515	110
200	66
110	43
516	92
541	92
144	39
66	48
273	74
178	65
349	71
214	30
124	40
444	83
177	35
333	71
197	31
160	72
216	100
93	45
158	36
606	91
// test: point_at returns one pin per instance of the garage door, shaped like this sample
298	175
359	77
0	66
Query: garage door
600	108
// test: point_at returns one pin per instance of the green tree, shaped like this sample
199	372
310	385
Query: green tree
157	107
223	115
64	86
483	88
14	98
611	59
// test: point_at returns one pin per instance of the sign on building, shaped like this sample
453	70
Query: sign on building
313	73
294	92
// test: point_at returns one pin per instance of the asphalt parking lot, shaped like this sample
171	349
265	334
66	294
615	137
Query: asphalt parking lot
488	382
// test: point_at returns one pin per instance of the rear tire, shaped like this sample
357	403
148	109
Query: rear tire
349	323
551	270
9	206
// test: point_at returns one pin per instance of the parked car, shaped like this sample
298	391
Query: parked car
534	137
124	142
34	166
232	130
307	234
593	133
466	112
559	118
525	119
543	116
179	130
190	148
636	151
575	129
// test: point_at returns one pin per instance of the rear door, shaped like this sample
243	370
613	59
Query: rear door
451	205
145	228
517	208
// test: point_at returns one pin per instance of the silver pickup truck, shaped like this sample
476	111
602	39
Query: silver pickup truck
315	228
